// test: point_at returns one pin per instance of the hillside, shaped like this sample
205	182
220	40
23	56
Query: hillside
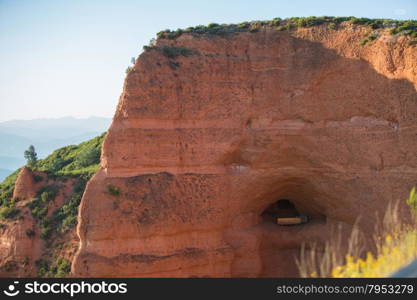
38	211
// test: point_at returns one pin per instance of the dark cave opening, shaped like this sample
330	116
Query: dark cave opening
283	212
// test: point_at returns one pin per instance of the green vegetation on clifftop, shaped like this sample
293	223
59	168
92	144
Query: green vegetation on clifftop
73	160
402	27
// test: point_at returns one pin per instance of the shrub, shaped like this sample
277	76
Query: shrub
48	192
174	64
89	156
173	52
30	232
10	266
113	190
45	197
332	26
39	205
43	267
46	231
148	47
38	209
408	27
275	22
69	221
57	164
61	220
79	185
61	268
371	37
360	21
405	27
66	216
129	69
6	188
37	178
25	261
8	212
307	21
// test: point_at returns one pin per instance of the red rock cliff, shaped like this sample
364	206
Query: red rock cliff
201	145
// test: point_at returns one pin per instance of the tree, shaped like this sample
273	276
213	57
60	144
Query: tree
31	156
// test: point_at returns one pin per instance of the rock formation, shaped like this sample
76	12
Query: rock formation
21	245
201	144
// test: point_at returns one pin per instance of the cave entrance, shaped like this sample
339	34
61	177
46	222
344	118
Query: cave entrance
283	212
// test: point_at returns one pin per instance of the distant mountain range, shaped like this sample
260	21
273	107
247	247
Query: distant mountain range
46	135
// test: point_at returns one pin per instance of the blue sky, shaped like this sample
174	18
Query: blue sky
67	57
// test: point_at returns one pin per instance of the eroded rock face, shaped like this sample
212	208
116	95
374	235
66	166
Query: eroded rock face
18	251
24	188
21	244
200	146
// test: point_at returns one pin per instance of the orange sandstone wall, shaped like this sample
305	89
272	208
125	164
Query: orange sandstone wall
200	147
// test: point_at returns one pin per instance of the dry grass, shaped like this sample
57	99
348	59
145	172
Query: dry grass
394	245
319	260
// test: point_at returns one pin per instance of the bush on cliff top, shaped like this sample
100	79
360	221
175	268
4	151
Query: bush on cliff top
408	27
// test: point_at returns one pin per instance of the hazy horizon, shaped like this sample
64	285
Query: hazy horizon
57	118
63	58
46	134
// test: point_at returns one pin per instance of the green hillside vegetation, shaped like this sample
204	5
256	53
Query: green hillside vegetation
79	162
6	189
73	160
400	27
69	161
